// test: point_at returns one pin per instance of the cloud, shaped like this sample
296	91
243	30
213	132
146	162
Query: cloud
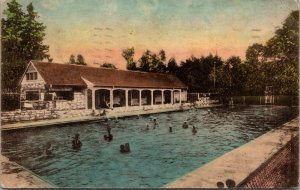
54	4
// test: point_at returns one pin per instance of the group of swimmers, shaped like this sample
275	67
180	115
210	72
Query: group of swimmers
184	125
76	143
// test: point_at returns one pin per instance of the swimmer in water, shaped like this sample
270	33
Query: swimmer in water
76	143
155	123
185	125
194	130
49	149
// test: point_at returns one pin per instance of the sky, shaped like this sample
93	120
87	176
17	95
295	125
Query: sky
101	29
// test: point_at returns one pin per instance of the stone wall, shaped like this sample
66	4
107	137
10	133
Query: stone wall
28	115
77	103
280	171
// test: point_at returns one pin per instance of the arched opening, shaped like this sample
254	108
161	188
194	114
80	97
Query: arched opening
119	98
167	97
146	97
133	98
102	98
176	96
157	98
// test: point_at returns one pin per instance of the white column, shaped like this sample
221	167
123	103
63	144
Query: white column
140	98
93	99
152	98
111	99
172	97
180	96
86	98
162	97
126	98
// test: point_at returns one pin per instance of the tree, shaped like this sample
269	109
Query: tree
33	36
80	60
196	72
172	66
276	63
255	53
162	55
22	40
108	65
150	62
72	59
128	55
284	45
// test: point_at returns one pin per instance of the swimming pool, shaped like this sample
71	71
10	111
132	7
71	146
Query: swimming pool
157	157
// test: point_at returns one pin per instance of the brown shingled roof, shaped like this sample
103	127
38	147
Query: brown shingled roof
66	74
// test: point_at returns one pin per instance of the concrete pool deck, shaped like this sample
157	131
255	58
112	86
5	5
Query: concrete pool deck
241	162
15	176
60	121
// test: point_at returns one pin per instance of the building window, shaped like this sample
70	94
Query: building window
31	76
65	95
32	95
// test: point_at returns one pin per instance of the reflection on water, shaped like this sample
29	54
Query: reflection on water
157	156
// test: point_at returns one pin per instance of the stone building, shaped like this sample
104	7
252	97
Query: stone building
65	87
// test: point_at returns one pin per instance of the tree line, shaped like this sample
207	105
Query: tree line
275	63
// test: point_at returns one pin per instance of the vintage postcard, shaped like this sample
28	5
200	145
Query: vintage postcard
149	94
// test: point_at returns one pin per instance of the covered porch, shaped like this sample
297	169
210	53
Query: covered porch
132	98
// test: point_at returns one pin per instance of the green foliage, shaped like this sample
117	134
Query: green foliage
72	59
255	53
128	55
151	62
275	63
10	102
108	65
195	72
22	40
284	45
172	66
80	60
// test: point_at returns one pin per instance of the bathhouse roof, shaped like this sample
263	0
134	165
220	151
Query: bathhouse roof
66	74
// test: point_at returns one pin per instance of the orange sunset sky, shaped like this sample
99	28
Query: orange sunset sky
101	29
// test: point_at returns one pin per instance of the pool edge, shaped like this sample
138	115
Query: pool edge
241	162
14	175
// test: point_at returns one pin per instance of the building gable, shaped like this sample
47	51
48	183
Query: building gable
34	75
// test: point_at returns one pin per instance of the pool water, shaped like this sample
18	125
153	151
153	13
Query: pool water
157	156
